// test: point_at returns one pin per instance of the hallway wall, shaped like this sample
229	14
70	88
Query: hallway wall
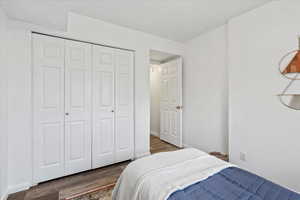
3	106
155	99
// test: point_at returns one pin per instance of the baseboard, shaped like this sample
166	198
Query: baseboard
154	133
187	146
142	155
18	188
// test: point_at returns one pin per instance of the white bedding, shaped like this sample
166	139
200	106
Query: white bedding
157	176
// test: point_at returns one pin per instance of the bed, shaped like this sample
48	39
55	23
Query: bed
190	174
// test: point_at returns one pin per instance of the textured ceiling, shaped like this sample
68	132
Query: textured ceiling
178	20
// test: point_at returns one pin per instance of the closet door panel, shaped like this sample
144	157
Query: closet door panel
48	106
104	142
51	136
124	105
77	107
103	106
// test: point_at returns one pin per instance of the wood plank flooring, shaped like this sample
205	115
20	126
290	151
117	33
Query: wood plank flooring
157	145
83	181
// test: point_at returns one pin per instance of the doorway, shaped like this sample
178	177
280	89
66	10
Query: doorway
166	98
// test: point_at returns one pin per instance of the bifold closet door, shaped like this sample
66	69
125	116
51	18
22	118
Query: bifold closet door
113	130
62	107
48	104
124	147
83	106
103	106
78	103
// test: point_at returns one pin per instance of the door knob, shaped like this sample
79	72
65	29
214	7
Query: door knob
178	107
112	111
67	114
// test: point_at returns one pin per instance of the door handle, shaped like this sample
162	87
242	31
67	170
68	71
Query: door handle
67	114
112	111
178	107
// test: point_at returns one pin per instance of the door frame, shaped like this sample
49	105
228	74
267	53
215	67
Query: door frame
178	56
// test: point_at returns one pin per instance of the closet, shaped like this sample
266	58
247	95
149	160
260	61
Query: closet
83	106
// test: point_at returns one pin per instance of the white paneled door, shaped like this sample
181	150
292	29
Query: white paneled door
77	107
124	105
48	54
103	106
62	107
113	106
83	106
171	102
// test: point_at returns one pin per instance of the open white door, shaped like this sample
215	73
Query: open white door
171	102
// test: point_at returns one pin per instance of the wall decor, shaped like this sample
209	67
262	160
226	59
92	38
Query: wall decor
289	67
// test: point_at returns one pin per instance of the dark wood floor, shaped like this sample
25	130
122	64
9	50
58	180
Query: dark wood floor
59	188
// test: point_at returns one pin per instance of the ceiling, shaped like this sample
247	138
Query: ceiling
178	20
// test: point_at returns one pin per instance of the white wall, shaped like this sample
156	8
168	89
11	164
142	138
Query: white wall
19	84
260	126
155	74
3	106
19	109
205	121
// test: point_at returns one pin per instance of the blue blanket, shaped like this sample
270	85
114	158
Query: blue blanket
234	184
